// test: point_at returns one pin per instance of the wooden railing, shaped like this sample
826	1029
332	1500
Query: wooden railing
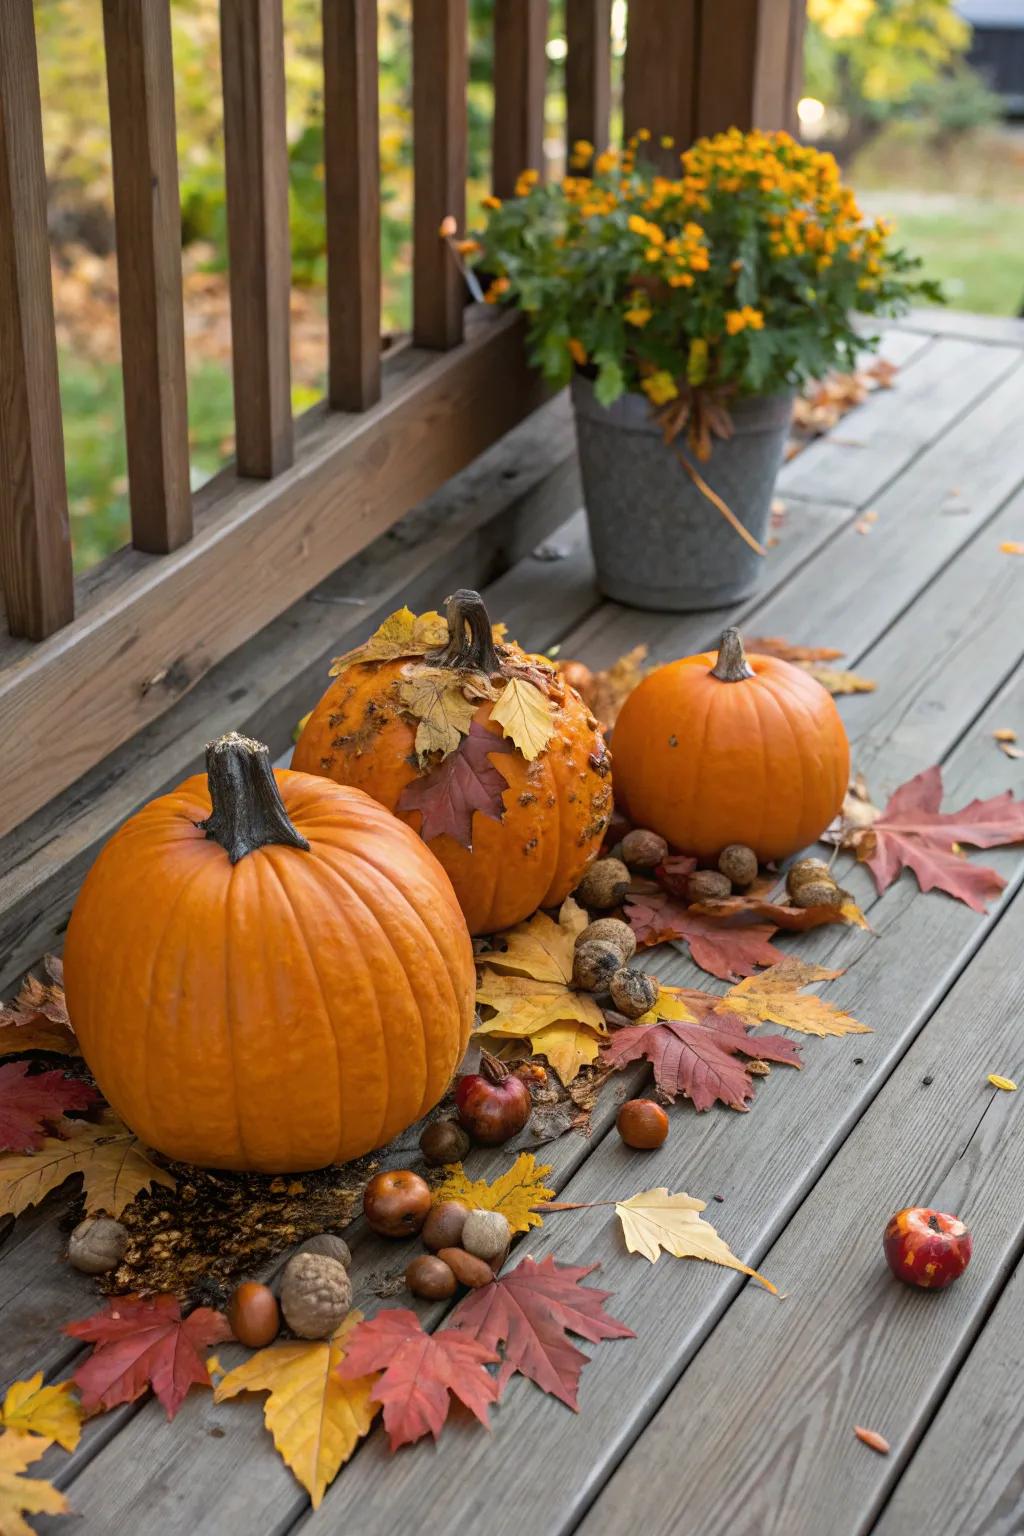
94	659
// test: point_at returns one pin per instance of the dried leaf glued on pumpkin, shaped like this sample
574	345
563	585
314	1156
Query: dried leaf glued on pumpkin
526	715
464	782
434	697
403	633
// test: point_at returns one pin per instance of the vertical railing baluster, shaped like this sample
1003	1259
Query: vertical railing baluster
745	64
352	191
439	34
520	77
147	206
35	546
659	82
588	71
259	252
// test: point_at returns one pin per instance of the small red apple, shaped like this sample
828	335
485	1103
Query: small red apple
926	1248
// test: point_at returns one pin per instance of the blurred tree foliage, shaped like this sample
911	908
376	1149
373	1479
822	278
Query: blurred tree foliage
870	61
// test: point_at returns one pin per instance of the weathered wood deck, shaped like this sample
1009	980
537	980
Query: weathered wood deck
733	1411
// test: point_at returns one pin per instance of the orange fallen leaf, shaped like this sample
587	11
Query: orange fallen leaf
1011	547
1005	733
1007	1084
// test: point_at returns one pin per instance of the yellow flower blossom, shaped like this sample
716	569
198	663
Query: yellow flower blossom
490	201
526	180
744	319
660	388
639	311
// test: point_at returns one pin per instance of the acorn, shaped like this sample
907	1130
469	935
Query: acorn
593	964
610	930
444	1141
738	864
642	849
486	1235
430	1277
810	883
707	885
604	885
443	1227
633	992
253	1314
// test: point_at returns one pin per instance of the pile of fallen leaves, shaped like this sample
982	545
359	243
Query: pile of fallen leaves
823	404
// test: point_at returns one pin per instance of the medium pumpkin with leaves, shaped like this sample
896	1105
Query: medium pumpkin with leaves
486	751
714	750
268	972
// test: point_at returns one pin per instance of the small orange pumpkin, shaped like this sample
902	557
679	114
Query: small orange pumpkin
409	717
735	749
268	972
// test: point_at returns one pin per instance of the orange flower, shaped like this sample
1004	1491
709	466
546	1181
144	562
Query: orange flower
578	352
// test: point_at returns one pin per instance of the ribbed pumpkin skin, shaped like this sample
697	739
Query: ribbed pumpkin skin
556	808
763	761
293	1010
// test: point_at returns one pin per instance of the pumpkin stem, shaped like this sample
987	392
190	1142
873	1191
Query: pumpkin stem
732	665
470	645
247	807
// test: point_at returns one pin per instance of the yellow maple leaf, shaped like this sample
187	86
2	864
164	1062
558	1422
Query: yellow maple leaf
403	633
838	681
539	1003
540	947
655	1222
52	1412
434	696
772	997
20	1496
669	1004
113	1163
512	1193
526	716
315	1418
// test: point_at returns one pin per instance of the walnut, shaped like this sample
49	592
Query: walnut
633	992
738	863
611	930
593	964
604	885
97	1245
810	883
707	885
330	1245
486	1235
315	1295
642	849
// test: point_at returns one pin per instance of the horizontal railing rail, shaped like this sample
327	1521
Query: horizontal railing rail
102	654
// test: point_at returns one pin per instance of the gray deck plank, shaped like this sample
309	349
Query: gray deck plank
852	1345
968	1472
880	438
1000	330
210	1495
959	929
763	1164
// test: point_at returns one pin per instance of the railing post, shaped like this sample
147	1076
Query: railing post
588	66
520	76
259	250
659	86
352	192
147	203
439	29
35	545
749	64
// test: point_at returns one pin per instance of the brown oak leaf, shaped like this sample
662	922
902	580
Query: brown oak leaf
466	781
729	948
695	1046
420	1372
38	1020
29	1104
914	833
531	1310
756	909
774	997
142	1342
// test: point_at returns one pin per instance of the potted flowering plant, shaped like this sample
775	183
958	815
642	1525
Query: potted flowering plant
686	311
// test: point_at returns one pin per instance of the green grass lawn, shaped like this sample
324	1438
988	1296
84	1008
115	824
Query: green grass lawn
973	246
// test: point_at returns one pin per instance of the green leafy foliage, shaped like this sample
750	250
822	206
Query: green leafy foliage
739	276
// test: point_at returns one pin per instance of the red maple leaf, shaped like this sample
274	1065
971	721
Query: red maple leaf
674	872
701	1059
466	781
145	1342
532	1310
913	833
420	1370
28	1105
729	948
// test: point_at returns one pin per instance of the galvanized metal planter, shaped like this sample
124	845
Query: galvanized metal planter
658	541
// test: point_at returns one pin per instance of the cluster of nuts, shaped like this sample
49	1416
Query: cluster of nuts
491	1107
466	1247
313	1294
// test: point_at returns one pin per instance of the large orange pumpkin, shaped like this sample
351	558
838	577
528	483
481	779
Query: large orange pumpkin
734	749
527	821
268	972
